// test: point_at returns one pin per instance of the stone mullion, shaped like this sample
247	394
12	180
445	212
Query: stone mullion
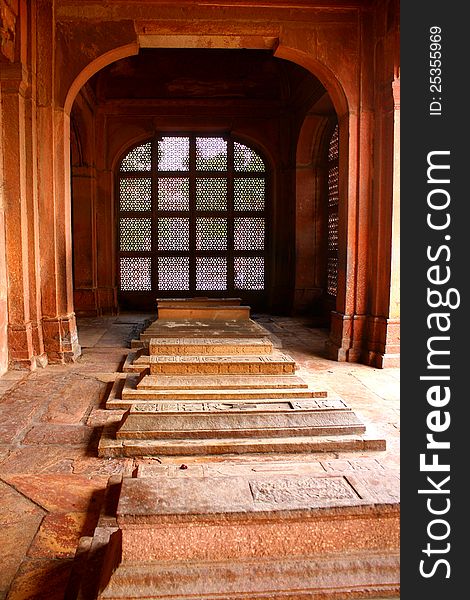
104	222
84	183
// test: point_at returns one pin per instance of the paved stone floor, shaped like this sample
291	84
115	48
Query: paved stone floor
52	482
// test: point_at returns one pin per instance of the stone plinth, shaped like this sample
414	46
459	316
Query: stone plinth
207	345
272	364
217	389
184	327
252	537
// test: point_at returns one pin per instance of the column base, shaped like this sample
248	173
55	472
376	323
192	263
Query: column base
61	339
374	341
383	342
346	337
25	347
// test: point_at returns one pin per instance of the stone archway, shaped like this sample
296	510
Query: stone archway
349	321
130	131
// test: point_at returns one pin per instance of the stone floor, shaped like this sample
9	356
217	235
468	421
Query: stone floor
52	482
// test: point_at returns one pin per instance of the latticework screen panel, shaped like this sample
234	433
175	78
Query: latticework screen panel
248	194
173	273
333	232
135	273
332	275
211	194
135	194
246	159
202	223
333	149
333	218
173	233
211	234
135	235
211	273
248	233
173	154
173	193
333	185
211	154
249	272
138	159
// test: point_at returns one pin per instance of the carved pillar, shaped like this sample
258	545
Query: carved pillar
349	320
59	327
3	271
383	347
14	83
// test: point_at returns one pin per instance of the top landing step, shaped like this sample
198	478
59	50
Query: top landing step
198	301
217	312
184	327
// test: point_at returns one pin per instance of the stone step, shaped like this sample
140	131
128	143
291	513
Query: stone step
140	423
221	406
109	446
218	382
173	388
276	363
201	311
207	346
376	574
254	537
117	401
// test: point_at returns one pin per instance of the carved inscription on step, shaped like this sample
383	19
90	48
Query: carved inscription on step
212	407
319	403
277	358
236	365
303	490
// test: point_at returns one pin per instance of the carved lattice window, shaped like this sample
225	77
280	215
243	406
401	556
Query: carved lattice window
333	202
192	217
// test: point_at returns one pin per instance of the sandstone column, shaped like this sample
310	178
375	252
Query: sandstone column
59	327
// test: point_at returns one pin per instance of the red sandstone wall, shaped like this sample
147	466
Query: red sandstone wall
52	48
3	278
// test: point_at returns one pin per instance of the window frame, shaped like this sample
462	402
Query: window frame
146	298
